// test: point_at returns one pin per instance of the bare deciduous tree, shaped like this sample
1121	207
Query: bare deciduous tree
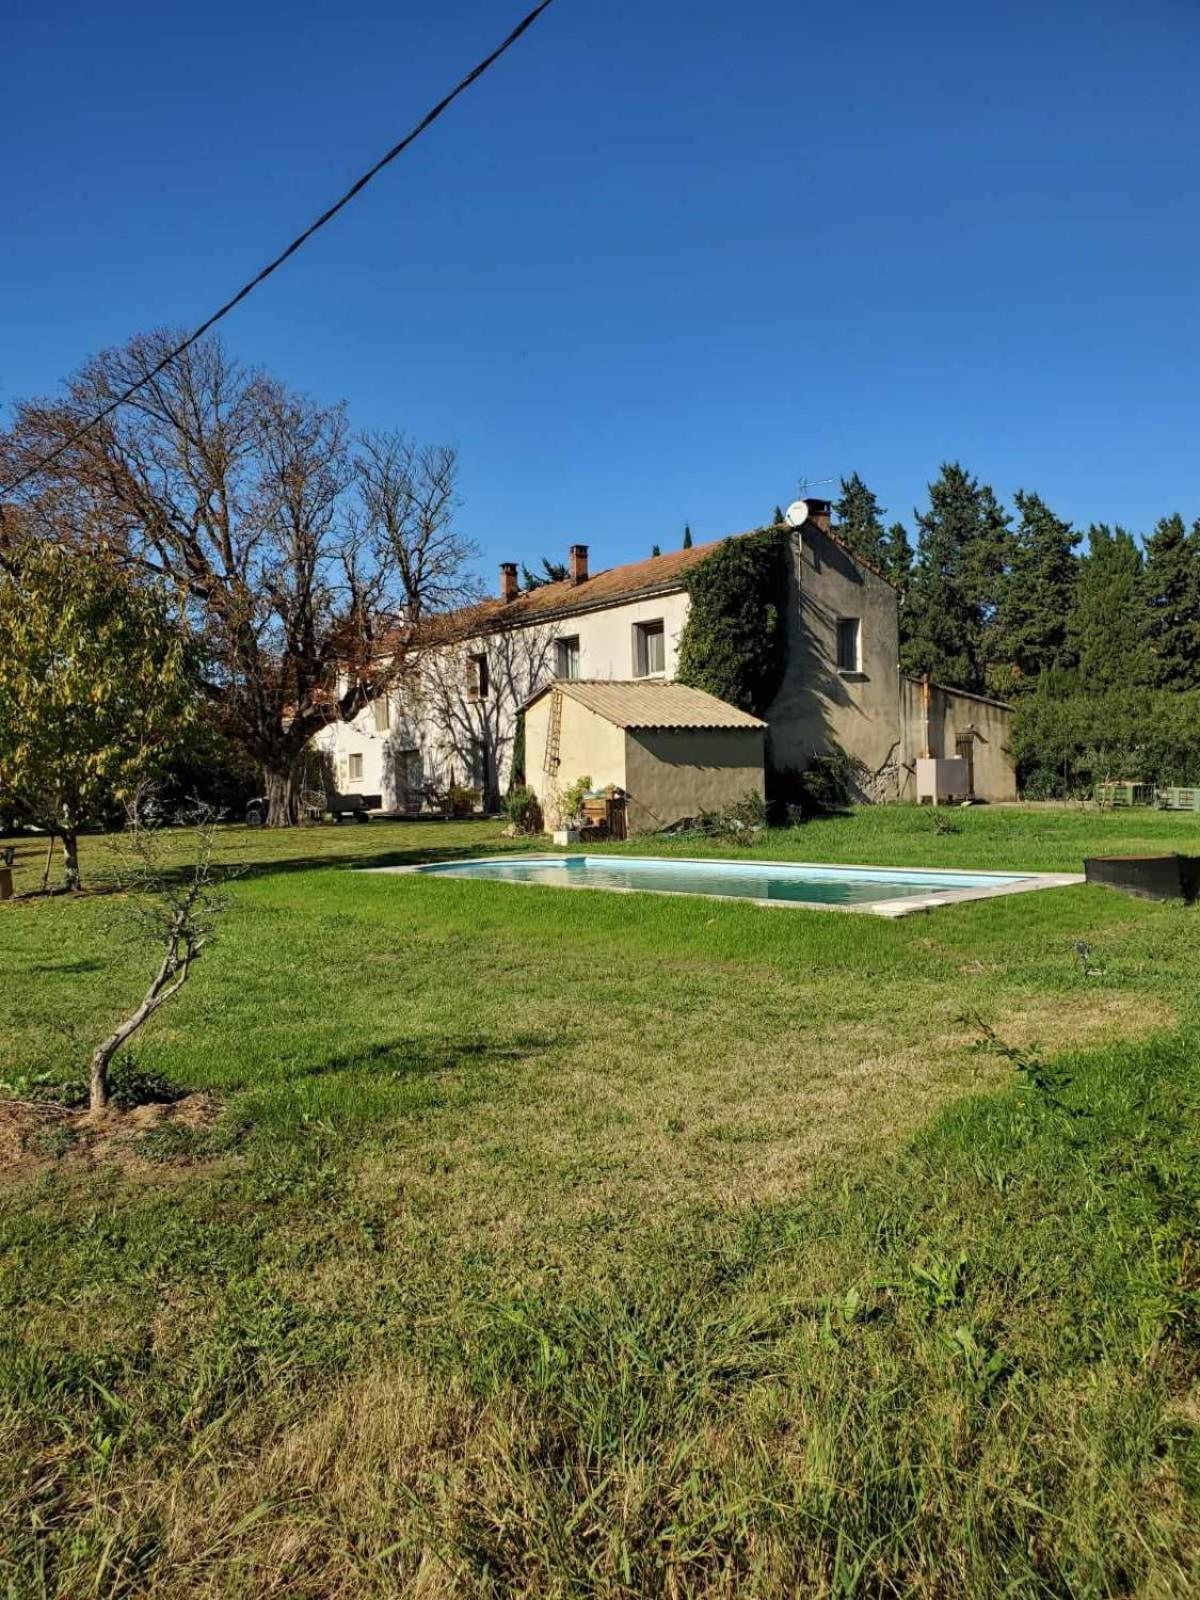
249	500
409	498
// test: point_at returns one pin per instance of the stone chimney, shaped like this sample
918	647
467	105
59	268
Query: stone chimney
819	514
508	580
579	567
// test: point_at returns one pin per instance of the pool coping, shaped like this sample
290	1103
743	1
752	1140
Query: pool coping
892	908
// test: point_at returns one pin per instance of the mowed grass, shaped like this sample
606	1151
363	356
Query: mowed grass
563	1243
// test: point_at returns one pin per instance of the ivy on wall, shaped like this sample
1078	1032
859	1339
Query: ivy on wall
734	643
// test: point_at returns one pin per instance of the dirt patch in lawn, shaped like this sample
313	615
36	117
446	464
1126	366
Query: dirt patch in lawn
36	1137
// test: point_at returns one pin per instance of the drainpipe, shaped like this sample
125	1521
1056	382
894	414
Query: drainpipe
925	715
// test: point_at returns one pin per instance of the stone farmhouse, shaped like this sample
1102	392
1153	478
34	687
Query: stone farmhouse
458	718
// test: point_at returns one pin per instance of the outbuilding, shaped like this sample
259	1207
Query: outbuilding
674	751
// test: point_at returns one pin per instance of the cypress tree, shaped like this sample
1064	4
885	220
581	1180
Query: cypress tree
1034	599
687	536
897	556
963	550
860	521
1106	630
654	550
1171	586
777	517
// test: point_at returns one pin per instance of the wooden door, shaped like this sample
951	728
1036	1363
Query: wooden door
964	746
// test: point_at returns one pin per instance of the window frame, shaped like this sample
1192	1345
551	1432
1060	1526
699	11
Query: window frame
851	668
478	675
351	775
381	710
567	652
654	628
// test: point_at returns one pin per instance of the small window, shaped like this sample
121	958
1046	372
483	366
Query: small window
849	644
477	677
356	769
649	649
566	654
383	714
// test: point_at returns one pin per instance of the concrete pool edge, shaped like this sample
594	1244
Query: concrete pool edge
1009	882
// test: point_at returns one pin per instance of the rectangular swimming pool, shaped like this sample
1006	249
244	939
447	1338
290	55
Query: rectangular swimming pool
886	891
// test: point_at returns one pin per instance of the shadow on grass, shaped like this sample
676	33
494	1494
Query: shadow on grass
382	858
68	968
418	1058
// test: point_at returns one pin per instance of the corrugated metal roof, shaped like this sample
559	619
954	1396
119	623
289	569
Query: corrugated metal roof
652	703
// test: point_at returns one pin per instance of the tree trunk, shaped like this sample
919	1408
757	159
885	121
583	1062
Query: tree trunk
283	797
98	1096
70	850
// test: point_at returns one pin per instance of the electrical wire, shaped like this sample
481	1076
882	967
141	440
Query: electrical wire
248	288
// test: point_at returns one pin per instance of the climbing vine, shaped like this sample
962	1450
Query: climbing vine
734	643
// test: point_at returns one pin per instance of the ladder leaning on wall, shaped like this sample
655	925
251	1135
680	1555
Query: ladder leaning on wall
553	733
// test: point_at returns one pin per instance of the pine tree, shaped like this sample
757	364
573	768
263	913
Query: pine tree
654	550
964	546
1029	632
687	536
1106	630
1171	587
777	517
860	521
552	572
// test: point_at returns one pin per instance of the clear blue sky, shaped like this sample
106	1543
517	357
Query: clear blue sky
667	258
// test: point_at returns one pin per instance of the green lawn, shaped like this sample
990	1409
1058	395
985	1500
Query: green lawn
549	1244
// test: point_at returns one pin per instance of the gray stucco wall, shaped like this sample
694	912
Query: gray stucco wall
817	705
675	773
954	715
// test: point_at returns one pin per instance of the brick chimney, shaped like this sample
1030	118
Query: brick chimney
508	580
579	567
818	514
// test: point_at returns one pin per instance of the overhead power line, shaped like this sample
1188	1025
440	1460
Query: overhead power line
248	288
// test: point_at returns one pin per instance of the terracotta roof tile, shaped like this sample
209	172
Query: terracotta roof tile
612	586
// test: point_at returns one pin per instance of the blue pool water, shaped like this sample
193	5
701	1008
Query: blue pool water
799	884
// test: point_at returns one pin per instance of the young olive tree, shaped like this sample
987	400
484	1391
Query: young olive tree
259	507
177	894
95	688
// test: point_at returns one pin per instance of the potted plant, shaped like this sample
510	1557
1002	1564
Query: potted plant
570	812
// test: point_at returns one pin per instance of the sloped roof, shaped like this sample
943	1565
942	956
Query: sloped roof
612	586
650	703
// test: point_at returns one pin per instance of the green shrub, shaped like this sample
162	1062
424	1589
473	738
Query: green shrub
828	784
570	802
1066	743
460	801
522	809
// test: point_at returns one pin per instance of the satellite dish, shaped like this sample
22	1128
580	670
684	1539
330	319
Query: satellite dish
796	513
